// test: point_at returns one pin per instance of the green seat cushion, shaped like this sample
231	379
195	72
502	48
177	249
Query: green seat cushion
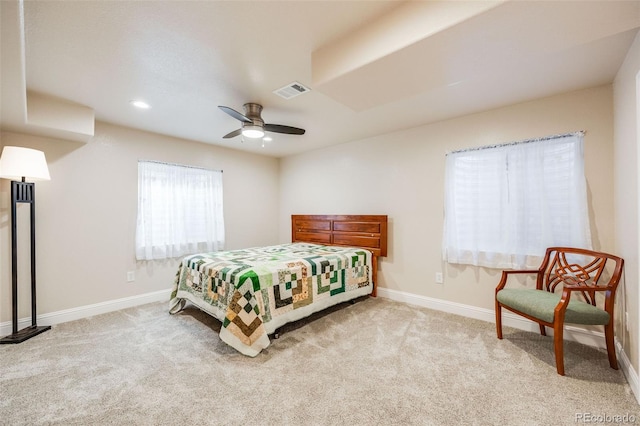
540	304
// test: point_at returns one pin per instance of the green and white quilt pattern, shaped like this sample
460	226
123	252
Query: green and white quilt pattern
254	291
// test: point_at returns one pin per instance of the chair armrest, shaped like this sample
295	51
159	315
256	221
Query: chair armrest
505	276
562	305
572	287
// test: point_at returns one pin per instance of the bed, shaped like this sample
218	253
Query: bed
253	292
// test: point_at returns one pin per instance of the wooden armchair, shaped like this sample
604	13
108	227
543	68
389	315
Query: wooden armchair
575	273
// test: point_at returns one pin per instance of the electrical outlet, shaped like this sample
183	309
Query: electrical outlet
626	321
439	279
131	276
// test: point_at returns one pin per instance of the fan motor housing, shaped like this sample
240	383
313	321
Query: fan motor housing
253	111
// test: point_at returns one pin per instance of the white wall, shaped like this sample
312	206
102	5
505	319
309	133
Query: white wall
86	215
626	122
402	175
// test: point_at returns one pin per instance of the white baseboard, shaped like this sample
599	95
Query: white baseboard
587	337
80	312
627	369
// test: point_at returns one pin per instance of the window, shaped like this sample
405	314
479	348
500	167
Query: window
504	205
179	211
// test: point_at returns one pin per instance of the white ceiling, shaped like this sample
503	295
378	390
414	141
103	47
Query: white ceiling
373	66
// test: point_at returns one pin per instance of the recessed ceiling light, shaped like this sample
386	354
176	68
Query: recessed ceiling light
140	104
267	139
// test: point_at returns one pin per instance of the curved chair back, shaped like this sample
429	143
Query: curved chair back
576	266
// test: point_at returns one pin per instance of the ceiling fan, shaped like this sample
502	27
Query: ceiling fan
253	126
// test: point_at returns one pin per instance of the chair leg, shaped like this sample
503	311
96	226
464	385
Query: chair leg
499	320
543	330
611	349
558	346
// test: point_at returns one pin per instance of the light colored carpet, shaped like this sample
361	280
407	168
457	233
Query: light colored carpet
376	362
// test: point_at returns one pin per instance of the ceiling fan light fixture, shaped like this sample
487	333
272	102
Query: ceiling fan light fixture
252	131
253	126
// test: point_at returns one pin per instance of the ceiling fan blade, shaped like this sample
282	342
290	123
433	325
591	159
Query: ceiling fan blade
232	134
235	114
279	128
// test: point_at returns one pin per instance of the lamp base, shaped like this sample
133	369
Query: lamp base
24	334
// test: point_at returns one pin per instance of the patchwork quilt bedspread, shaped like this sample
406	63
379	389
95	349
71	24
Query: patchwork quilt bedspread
255	291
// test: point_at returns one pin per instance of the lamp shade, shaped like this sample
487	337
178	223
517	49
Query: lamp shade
17	162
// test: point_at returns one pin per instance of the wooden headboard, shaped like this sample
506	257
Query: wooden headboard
366	231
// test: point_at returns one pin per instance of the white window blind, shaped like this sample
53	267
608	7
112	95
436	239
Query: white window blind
179	211
504	205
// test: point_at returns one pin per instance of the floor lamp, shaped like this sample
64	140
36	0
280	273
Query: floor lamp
20	164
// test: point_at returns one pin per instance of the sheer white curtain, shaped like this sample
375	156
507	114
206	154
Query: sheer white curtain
505	205
179	211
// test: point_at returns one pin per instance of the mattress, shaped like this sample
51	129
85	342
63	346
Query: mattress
255	291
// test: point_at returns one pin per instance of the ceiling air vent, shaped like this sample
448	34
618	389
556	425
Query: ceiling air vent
291	90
